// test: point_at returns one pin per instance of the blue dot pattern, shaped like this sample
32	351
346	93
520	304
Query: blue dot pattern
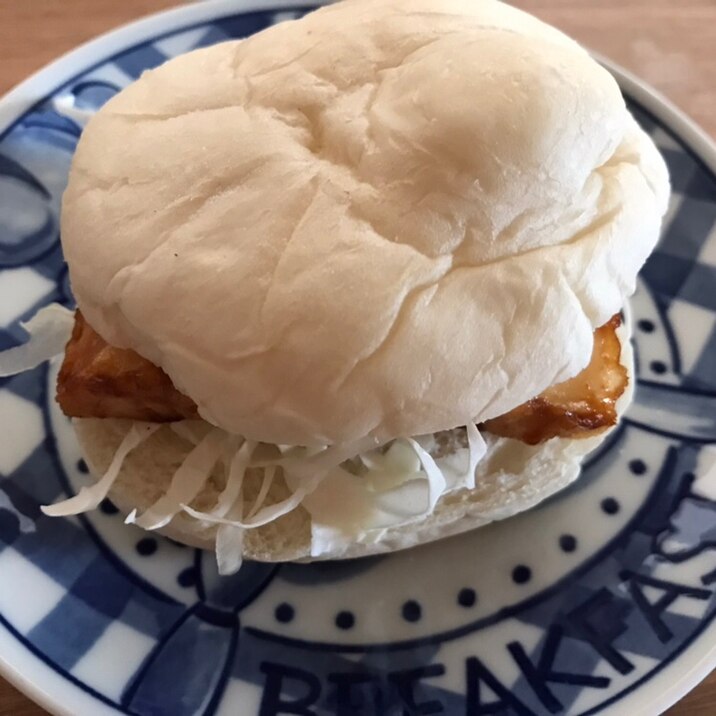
284	613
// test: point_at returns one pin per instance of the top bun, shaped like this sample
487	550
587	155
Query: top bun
382	219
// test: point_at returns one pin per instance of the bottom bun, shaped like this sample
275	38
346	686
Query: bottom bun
511	478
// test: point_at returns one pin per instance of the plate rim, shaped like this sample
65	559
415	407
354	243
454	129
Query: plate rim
696	660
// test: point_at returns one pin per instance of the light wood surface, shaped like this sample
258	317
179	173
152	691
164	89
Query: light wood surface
669	43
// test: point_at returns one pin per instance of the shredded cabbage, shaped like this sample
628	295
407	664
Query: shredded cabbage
261	518
88	498
303	474
269	474
49	330
229	549
390	493
350	491
436	480
354	489
186	484
477	448
230	542
234	480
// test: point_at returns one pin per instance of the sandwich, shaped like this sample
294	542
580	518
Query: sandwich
353	284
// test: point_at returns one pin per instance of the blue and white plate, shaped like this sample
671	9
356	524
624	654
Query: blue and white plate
600	600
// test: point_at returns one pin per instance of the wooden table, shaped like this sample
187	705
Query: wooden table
669	43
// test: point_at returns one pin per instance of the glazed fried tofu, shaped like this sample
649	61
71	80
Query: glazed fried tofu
99	381
582	406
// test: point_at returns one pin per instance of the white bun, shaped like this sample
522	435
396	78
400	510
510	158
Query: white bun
386	218
511	478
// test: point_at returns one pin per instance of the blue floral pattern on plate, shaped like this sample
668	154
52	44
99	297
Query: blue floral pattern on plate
568	609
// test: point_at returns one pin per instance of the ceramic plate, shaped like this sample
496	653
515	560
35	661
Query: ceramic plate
600	600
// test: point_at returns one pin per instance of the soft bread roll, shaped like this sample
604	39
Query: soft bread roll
511	478
382	219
